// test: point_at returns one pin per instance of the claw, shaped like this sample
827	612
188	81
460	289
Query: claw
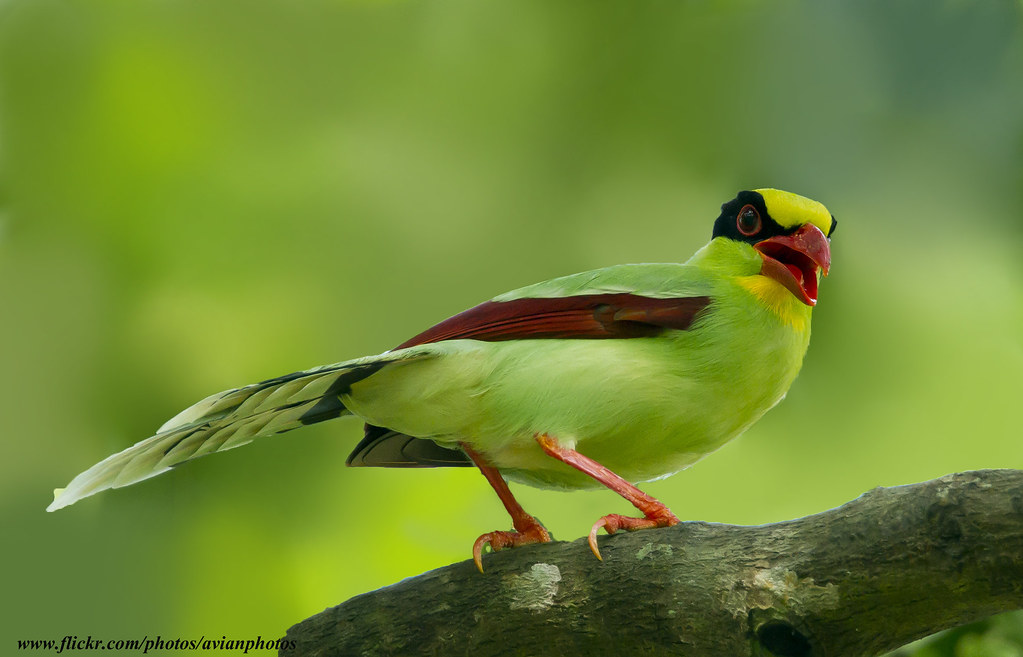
499	540
593	537
660	517
477	549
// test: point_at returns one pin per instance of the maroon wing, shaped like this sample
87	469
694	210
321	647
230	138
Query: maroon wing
587	316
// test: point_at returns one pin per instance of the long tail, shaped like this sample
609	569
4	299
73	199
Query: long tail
227	420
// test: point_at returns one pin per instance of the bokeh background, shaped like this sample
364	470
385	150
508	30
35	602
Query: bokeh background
196	195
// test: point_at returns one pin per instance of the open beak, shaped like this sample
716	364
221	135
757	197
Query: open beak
793	260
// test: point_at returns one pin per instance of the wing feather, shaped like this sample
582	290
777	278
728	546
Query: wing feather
585	316
582	316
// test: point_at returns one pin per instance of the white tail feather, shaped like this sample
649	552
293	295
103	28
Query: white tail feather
227	420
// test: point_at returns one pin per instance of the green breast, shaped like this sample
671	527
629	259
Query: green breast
646	407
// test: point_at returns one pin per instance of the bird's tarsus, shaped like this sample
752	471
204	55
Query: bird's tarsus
656	514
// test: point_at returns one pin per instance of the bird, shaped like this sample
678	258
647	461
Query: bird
610	377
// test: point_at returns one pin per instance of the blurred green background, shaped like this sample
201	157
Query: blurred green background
196	195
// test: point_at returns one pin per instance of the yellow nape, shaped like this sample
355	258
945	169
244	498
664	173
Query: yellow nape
778	299
792	210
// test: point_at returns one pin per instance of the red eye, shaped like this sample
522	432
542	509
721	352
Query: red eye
748	221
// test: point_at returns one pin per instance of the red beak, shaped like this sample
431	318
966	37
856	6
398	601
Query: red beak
793	260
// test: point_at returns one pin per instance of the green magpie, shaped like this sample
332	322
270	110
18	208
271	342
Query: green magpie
604	378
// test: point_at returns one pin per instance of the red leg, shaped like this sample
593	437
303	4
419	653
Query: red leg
657	515
527	528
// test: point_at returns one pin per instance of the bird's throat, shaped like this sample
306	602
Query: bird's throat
778	299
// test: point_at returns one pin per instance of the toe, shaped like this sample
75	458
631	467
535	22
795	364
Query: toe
614	522
499	540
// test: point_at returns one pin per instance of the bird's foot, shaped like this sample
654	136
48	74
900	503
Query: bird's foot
659	516
534	533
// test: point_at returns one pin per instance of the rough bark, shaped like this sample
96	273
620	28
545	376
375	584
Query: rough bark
891	566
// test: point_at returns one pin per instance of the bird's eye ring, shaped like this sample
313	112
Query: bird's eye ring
748	221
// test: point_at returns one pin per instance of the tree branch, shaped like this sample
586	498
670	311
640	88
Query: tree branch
894	565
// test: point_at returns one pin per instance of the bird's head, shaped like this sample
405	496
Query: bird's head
790	234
